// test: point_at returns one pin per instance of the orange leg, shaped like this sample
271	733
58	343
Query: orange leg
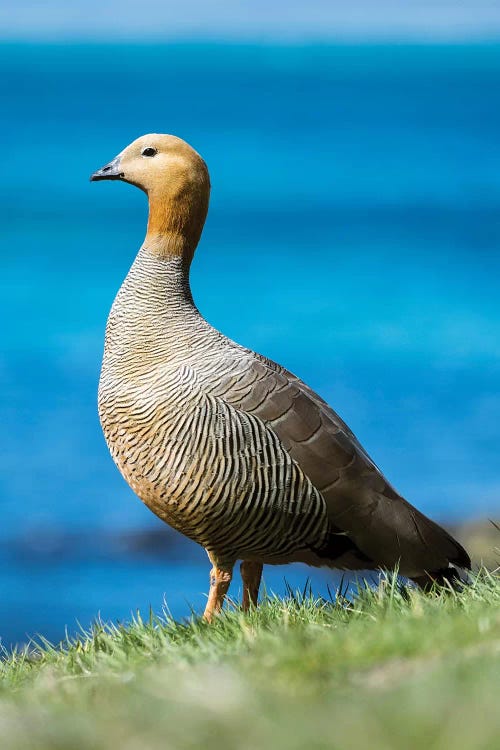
251	573
220	578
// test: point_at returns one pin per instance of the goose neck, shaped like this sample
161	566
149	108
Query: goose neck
175	223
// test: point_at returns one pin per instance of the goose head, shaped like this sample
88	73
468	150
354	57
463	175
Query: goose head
176	181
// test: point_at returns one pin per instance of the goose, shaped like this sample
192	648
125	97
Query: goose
223	444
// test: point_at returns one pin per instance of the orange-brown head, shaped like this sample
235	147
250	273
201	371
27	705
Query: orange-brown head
176	181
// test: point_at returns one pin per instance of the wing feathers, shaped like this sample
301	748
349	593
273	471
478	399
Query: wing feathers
380	524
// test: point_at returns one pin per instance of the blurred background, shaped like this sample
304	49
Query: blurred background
353	235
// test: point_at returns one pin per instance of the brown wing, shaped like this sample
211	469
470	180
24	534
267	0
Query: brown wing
360	502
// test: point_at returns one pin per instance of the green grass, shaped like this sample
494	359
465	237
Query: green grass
393	669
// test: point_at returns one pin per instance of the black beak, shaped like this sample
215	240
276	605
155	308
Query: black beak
110	171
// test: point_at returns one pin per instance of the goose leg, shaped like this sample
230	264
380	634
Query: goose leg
251	573
220	578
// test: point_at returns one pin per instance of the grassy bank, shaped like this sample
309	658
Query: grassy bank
393	669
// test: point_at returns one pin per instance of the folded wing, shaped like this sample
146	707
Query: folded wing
381	525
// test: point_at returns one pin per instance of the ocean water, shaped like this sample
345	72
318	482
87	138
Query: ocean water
353	235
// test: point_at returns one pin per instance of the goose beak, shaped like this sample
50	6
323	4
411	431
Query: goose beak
110	171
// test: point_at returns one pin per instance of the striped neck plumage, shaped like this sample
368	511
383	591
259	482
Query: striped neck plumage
153	308
160	284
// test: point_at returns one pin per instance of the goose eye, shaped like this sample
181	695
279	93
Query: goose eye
149	151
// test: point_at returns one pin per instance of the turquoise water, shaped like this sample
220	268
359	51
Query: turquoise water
353	235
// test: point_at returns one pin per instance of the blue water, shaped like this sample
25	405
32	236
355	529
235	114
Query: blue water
353	235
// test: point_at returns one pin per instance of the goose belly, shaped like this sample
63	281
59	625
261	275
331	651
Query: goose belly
215	474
